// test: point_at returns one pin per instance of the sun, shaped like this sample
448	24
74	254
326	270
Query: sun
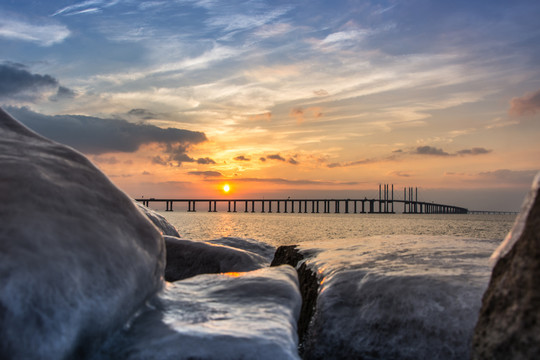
226	188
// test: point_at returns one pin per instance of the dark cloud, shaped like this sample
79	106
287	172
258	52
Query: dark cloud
206	173
263	159
474	151
292	161
242	158
142	114
159	160
15	79
205	161
429	150
63	93
529	104
275	157
93	135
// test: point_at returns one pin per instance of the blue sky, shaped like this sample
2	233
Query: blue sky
178	97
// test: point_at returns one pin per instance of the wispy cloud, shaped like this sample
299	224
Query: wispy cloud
85	7
283	181
433	151
206	174
43	34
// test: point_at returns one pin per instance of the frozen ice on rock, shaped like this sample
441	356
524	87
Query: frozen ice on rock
228	316
77	259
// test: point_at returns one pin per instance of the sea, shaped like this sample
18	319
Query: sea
294	228
392	286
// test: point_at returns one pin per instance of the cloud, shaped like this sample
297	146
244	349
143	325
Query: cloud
142	114
205	161
321	92
275	157
281	181
351	163
400	174
159	160
105	160
63	93
300	114
93	135
267	116
242	158
85	7
292	161
429	150
44	34
15	79
510	176
262	159
433	151
528	104
474	151
206	174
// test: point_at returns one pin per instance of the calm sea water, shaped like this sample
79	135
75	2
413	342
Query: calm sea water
285	229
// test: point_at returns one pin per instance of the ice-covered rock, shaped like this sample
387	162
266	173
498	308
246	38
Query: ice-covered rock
162	224
229	316
509	323
77	259
396	297
186	258
254	246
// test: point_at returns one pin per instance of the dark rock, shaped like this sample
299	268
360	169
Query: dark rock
309	286
509	323
287	254
187	258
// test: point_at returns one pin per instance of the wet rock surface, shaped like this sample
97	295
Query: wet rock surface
509	323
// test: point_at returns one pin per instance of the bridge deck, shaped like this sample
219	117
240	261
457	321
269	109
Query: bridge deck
370	206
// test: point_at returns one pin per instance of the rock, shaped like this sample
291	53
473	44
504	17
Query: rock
78	260
508	326
229	316
164	226
309	286
186	258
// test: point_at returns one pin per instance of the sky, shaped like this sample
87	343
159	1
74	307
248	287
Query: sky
285	98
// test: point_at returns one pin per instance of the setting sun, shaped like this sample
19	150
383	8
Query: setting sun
226	188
